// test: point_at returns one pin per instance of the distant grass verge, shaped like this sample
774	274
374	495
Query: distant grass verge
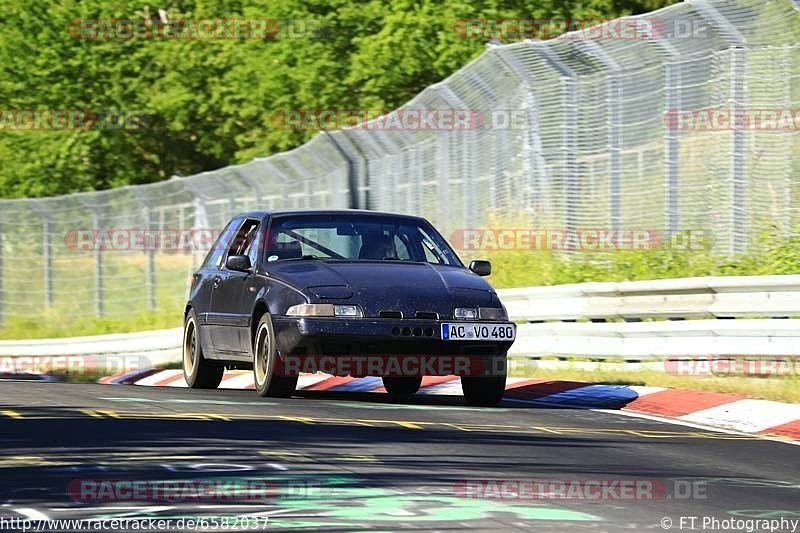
56	325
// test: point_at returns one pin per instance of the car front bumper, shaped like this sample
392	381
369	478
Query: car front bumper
338	336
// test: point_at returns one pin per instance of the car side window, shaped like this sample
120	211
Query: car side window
254	247
401	249
243	242
214	257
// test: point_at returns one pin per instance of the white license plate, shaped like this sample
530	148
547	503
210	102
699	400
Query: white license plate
478	332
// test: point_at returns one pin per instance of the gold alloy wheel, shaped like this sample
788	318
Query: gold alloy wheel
190	347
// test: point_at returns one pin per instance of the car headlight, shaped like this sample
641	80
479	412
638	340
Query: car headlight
492	313
347	311
465	313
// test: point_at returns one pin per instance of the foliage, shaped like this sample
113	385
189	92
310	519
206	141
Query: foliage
210	103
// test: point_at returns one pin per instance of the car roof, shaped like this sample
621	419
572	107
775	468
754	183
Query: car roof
289	212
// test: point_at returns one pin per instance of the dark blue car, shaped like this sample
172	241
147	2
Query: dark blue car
345	292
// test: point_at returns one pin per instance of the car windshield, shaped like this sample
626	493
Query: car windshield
357	237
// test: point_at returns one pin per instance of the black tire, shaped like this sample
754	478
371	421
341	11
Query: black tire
483	391
199	372
487	390
402	386
268	382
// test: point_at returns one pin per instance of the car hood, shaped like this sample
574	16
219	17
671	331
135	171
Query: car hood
388	285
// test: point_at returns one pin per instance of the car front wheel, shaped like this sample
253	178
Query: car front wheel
199	372
486	391
268	381
483	391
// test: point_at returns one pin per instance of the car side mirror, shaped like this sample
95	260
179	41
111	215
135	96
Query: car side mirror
481	267
239	263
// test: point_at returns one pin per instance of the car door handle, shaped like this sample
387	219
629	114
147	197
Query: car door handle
217	281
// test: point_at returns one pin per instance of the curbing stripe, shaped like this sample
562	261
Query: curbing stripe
725	411
677	403
790	430
750	416
331	383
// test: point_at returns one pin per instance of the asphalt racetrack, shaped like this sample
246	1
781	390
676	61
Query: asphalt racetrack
353	462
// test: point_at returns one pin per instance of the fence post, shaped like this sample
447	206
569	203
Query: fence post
738	152
150	274
304	175
570	135
672	148
47	251
672	104
98	269
536	168
738	191
47	261
362	174
150	270
614	92
2	278
352	179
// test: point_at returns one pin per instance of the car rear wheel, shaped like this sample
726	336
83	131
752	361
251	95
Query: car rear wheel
199	372
404	386
268	382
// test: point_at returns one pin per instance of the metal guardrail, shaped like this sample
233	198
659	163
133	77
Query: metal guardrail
659	319
704	297
630	320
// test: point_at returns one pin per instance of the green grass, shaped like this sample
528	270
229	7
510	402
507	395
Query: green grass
55	325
